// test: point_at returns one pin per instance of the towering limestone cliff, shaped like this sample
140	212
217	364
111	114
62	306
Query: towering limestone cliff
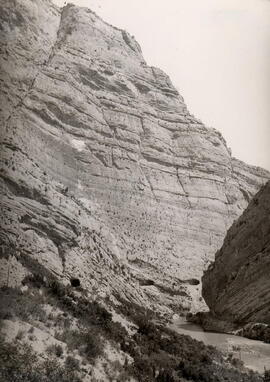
105	175
236	286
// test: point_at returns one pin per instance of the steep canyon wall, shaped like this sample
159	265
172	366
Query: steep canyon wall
105	175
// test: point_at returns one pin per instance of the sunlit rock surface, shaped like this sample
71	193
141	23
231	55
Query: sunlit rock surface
105	175
236	286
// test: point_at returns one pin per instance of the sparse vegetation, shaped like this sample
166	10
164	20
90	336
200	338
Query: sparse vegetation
72	363
14	303
19	363
165	354
55	349
258	331
87	341
158	353
36	280
266	377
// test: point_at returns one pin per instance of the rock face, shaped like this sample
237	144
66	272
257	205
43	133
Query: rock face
105	175
236	286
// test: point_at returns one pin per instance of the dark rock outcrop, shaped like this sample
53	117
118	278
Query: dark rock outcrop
236	287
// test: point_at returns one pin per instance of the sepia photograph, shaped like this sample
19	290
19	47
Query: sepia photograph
135	191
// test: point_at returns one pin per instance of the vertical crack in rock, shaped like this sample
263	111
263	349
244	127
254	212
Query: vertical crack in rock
141	167
182	187
148	181
31	87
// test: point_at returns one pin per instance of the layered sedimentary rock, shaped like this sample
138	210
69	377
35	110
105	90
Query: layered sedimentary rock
105	174
236	286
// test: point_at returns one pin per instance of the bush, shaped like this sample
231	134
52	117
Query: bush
57	289
16	363
266	377
55	349
167	356
143	368
80	307
14	303
88	342
36	280
116	332
72	363
19	363
146	327
165	376
93	346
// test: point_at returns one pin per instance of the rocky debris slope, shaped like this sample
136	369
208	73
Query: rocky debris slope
105	175
236	287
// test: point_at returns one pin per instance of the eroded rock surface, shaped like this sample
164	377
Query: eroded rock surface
236	286
105	175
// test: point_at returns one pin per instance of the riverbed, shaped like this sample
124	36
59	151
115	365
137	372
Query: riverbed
254	354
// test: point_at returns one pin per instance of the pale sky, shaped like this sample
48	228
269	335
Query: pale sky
217	53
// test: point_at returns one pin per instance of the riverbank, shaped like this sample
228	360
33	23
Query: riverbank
254	354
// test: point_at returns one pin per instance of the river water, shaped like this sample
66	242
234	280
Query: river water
254	354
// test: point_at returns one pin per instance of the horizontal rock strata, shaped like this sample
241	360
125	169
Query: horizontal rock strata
105	175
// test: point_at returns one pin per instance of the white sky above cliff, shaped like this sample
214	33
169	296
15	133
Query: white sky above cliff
217	53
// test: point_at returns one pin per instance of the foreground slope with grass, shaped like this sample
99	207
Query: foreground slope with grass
56	332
